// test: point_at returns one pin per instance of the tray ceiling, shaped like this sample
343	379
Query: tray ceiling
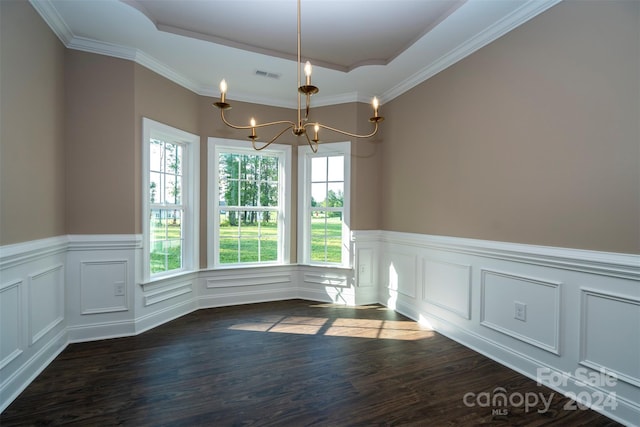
359	48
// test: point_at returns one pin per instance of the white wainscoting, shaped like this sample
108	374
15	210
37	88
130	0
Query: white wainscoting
447	285
603	315
101	278
540	301
163	300
235	286
582	308
32	311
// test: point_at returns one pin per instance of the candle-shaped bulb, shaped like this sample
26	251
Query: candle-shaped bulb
223	89
316	128
253	126
376	104
307	72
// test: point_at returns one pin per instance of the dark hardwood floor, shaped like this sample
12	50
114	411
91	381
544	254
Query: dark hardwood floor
289	363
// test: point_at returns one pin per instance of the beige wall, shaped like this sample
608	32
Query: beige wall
532	139
101	153
32	152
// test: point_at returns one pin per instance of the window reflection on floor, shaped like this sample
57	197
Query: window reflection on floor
339	327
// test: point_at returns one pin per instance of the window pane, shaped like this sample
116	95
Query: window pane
334	237
336	168
269	236
156	155
228	247
335	195
173	160
248	194
326	237
155	189
174	254
173	190
248	167
318	236
229	192
229	165
249	245
158	225
177	167
318	194
318	169
165	240
229	235
268	194
269	169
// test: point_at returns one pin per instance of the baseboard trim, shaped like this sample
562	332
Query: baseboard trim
244	297
158	318
19	380
626	410
101	331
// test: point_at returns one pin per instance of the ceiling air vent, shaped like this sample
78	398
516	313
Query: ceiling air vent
267	74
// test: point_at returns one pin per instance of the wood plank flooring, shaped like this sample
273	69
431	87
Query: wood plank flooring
287	363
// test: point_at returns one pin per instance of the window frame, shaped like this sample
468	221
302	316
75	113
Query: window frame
190	196
214	147
305	156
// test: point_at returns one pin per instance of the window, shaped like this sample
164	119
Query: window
170	199
249	205
324	235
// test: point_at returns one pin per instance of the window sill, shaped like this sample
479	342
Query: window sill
168	277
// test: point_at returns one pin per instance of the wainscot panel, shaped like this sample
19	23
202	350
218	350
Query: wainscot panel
603	327
549	313
32	312
522	307
101	271
328	284
235	286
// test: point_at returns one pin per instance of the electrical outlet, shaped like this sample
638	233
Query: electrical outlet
118	289
521	311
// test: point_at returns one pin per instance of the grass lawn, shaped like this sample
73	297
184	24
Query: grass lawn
241	244
166	249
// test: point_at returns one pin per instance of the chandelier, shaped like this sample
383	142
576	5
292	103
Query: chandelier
302	125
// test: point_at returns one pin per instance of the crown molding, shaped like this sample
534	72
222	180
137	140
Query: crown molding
523	14
53	19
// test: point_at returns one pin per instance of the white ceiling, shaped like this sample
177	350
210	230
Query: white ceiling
359	48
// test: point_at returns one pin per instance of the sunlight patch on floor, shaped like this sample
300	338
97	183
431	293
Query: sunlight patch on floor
340	327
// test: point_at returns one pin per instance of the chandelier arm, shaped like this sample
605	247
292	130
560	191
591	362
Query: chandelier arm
312	144
266	144
279	122
300	127
354	135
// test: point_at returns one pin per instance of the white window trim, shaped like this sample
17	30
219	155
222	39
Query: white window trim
215	146
305	154
190	197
